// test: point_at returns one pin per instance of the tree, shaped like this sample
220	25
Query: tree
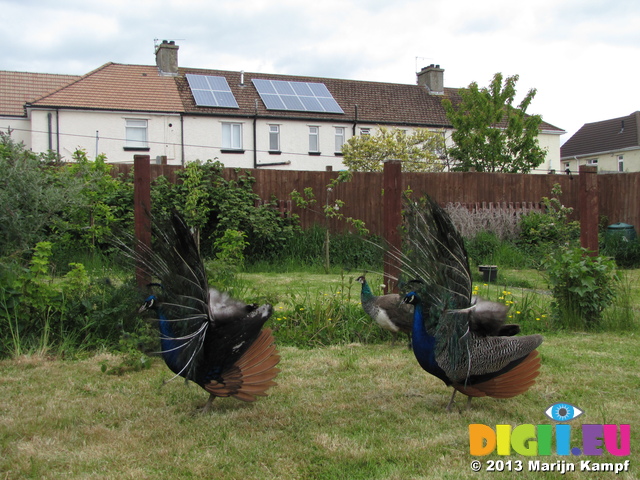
419	151
490	134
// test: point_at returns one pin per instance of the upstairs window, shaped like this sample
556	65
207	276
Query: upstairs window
314	140
621	163
339	139
232	136
274	138
136	137
365	131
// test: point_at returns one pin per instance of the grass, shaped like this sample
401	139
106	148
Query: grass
355	410
348	411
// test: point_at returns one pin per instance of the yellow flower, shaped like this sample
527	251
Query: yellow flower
538	319
518	312
301	309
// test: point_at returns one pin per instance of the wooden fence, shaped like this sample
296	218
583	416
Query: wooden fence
617	195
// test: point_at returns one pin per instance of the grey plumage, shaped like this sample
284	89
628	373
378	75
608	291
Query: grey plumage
388	311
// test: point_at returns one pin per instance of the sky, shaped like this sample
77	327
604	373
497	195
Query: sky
578	55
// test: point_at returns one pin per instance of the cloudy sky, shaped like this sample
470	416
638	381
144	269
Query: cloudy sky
578	54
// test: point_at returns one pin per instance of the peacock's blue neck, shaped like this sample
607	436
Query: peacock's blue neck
170	347
424	345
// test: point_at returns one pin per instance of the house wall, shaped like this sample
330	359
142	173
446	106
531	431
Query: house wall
20	129
200	138
551	143
607	162
103	132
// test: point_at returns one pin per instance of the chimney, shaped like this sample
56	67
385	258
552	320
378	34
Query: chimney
167	58
432	77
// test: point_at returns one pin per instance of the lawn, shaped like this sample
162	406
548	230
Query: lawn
352	411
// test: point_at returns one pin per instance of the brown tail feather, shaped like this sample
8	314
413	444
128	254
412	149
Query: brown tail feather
509	384
252	374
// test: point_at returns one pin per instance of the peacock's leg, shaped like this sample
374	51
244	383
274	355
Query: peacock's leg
450	404
469	402
207	406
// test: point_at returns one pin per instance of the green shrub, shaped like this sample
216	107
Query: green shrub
625	252
212	205
43	313
582	287
541	233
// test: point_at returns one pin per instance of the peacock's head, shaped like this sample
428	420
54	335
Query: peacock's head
411	298
149	304
361	279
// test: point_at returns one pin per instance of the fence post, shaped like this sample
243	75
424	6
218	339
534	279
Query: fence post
142	211
588	202
392	219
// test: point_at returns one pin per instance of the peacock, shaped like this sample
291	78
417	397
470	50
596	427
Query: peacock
388	311
206	336
461	340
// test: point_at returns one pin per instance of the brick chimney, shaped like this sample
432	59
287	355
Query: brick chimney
432	77
167	58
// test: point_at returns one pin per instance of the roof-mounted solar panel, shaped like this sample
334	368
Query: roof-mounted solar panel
209	91
296	96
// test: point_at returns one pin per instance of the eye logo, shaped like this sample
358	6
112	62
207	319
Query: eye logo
563	412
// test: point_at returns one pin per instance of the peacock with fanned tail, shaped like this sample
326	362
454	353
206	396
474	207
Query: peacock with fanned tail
206	336
462	340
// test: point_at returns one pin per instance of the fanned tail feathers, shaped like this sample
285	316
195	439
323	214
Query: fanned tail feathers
252	374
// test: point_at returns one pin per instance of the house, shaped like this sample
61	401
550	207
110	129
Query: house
19	88
246	120
612	145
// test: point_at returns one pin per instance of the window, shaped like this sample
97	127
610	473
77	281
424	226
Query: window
274	138
232	136
365	131
592	161
621	163
339	139
136	134
314	140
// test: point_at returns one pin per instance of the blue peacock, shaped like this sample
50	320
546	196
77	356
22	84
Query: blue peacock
460	339
206	336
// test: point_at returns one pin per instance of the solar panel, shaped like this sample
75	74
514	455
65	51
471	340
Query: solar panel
211	91
296	96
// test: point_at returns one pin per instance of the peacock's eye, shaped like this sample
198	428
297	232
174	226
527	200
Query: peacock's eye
563	412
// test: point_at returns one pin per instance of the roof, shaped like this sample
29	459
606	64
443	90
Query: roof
118	87
18	88
141	88
604	136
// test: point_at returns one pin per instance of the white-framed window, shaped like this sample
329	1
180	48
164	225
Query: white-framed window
365	131
592	162
274	138
232	136
314	139
621	163
136	133
340	136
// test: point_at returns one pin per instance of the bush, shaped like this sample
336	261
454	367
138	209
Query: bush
541	233
625	252
42	313
213	205
582	287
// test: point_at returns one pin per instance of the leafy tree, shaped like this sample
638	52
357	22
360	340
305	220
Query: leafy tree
419	151
490	134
